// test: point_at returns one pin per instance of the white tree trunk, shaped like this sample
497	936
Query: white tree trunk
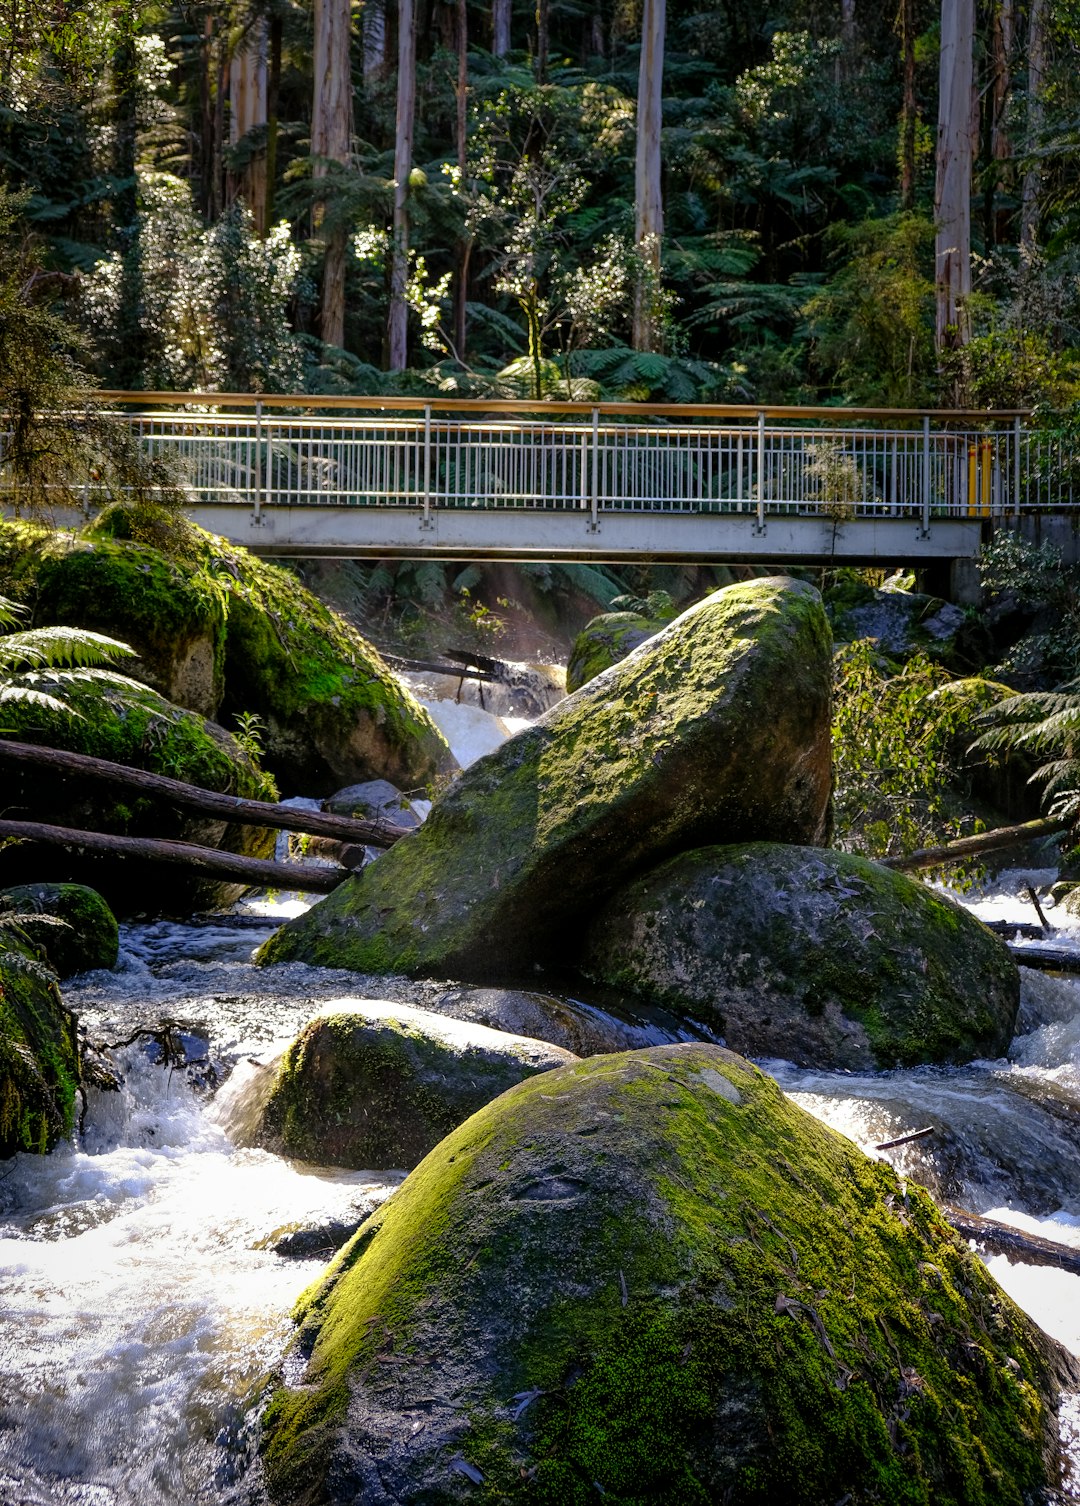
500	27
248	76
955	151
1029	193
331	136
397	325
648	203
374	40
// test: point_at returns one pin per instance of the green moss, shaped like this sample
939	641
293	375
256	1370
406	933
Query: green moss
603	642
39	1055
88	936
737	1306
679	746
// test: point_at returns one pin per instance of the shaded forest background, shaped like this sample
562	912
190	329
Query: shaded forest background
443	196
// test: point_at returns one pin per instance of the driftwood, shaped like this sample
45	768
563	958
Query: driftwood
190	797
256	872
1014	1244
986	841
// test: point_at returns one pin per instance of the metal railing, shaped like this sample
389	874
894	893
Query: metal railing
273	452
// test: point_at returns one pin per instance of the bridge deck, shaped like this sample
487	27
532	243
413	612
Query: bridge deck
609	481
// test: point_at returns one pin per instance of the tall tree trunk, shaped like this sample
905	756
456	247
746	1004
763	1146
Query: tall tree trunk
999	145
955	149
207	153
909	109
461	285
374	41
847	24
331	135
273	92
397	326
1029	193
500	27
543	37
248	89
648	204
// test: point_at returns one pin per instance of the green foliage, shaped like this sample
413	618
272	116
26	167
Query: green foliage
894	755
1034	576
38	664
1046	725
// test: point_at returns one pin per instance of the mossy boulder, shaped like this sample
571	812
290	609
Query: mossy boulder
717	729
604	641
650	1279
904	623
333	713
373	1084
133	725
39	1050
373	800
220	632
817	956
88	935
171	609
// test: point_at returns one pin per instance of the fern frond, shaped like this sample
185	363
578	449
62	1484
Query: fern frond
61	646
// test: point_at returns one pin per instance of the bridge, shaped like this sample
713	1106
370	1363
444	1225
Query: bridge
383	477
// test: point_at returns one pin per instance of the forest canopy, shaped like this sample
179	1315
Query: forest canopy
826	201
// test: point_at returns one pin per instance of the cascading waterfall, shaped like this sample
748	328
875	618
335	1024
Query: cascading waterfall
148	1271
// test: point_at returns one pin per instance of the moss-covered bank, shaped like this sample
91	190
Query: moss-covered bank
651	1279
819	957
716	729
132	725
368	1083
39	1050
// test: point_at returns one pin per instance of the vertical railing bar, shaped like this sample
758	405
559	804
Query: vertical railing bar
926	477
760	525
594	490
426	523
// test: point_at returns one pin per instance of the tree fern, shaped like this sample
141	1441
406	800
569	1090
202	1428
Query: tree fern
1043	723
36	664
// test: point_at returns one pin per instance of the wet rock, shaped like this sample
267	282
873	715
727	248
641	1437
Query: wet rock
88	936
374	800
718	728
816	956
653	1274
577	1026
373	1084
39	1054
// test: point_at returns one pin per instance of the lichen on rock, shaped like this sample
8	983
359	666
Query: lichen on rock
820	957
716	729
650	1278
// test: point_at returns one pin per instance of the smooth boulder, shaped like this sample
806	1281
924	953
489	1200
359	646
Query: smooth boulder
39	1050
717	729
71	924
817	956
604	641
650	1278
373	1084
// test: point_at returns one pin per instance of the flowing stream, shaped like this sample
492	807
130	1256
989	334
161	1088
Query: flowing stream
147	1271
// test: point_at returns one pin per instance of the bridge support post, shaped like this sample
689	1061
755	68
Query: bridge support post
924	526
759	525
260	478
594	482
426	521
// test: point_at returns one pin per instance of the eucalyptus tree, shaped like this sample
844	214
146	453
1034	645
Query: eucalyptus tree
397	324
1036	68
331	138
955	154
648	203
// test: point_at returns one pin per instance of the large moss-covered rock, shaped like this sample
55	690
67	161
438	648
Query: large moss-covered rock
717	729
817	956
133	725
369	1083
333	712
170	608
39	1051
218	630
87	936
650	1279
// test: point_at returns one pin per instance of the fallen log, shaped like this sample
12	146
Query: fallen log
257	873
1045	959
1016	1245
986	841
211	802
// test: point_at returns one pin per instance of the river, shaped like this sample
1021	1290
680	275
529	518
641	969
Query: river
148	1270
